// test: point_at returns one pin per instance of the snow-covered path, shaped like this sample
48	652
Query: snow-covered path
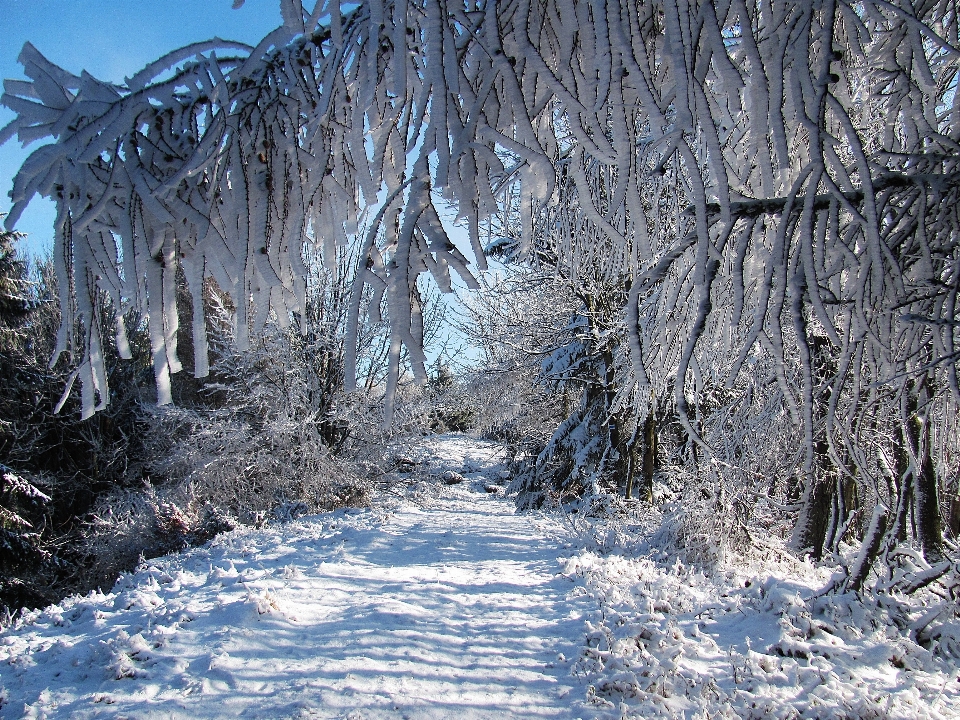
452	611
440	602
448	607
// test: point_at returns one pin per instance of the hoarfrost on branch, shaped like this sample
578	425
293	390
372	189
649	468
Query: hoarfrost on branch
763	175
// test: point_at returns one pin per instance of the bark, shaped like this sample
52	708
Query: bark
629	452
851	500
927	504
955	516
923	477
868	551
810	534
823	508
650	454
898	530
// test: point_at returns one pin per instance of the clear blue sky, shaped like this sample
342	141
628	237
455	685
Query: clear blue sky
110	39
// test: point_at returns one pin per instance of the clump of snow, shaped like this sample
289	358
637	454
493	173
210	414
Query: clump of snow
451	477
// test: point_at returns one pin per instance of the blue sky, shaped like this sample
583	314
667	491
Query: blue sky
110	39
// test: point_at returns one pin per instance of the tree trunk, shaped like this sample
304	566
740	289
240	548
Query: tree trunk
851	500
823	512
650	454
810	533
955	516
928	525
628	485
868	551
897	531
629	452
926	500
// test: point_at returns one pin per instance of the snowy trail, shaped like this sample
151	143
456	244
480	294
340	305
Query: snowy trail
449	607
440	602
452	611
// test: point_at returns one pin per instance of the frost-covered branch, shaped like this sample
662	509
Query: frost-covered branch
760	178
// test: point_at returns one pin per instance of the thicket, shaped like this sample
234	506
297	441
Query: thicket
750	210
54	465
269	435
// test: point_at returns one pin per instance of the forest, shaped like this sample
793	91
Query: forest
708	252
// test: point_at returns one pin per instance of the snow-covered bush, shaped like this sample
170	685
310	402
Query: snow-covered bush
253	444
266	436
247	465
129	525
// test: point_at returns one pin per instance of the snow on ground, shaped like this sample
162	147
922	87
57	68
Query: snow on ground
440	602
752	639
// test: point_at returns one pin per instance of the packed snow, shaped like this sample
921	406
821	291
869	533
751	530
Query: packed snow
440	601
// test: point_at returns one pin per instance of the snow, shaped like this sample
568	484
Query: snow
440	601
753	638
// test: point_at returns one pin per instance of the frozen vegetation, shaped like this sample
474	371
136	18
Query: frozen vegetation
708	251
439	600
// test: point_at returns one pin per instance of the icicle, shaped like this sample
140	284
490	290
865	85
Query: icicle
98	370
123	344
87	390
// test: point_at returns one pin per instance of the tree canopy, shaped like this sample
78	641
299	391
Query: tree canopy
801	155
771	179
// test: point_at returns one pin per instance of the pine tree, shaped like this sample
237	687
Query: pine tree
15	301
